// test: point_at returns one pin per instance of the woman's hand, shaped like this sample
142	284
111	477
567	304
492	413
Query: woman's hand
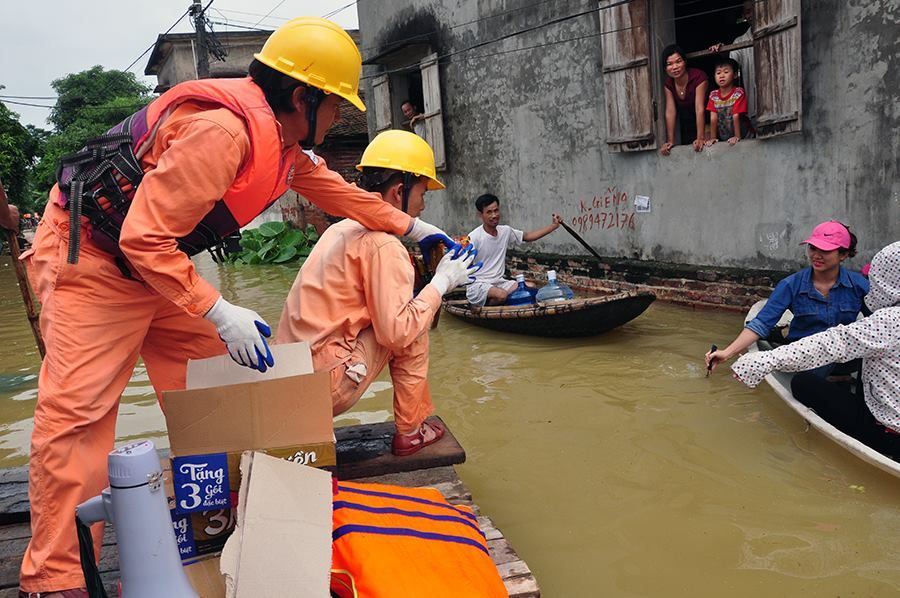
709	142
716	47
666	148
714	358
698	144
733	140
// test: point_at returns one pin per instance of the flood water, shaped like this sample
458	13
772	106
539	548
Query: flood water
611	464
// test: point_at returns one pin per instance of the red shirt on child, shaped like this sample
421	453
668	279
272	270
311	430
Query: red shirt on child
726	107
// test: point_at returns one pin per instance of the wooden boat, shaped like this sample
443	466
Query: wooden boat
576	317
781	384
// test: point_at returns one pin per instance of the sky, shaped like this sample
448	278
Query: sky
43	40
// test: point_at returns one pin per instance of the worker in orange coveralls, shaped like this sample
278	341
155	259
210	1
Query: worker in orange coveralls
353	298
110	261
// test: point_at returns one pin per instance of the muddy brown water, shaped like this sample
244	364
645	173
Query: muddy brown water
611	464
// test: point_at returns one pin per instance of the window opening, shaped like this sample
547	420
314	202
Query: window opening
701	24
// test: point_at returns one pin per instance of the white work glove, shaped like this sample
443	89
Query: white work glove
244	332
427	234
455	268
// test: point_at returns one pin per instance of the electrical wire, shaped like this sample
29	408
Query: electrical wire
251	14
555	21
28	97
339	10
153	45
442	59
270	12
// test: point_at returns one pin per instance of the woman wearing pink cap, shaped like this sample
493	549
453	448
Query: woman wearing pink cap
821	296
872	416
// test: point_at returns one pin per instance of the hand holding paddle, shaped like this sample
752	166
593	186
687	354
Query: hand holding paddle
712	360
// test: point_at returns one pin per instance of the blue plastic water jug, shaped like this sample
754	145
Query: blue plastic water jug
521	296
553	291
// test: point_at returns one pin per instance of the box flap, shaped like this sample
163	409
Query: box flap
274	413
205	577
291	359
283	540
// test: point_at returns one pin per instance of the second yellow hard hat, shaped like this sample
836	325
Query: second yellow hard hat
402	151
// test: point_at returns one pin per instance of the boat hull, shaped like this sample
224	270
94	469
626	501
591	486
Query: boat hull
577	317
780	382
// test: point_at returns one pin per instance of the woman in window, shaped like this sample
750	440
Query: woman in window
685	90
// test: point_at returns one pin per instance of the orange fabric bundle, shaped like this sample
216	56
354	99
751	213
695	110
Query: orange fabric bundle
398	541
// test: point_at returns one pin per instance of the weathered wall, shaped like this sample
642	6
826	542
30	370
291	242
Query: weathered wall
530	126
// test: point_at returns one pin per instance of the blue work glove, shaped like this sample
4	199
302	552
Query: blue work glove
427	235
456	268
244	333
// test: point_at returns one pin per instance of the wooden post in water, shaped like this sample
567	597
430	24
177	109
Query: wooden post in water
33	316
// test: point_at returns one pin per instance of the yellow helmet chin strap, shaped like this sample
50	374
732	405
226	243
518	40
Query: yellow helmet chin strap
409	179
313	98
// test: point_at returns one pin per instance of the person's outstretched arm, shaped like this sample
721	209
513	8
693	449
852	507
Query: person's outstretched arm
534	235
671	114
700	114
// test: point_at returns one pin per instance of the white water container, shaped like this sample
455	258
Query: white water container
553	291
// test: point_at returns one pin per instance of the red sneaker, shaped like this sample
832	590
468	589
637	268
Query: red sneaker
404	445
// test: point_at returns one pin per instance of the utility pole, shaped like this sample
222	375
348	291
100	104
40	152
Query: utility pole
201	51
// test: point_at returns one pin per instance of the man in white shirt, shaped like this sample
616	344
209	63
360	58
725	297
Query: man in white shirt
492	239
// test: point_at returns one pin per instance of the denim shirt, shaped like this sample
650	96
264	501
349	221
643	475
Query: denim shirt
812	312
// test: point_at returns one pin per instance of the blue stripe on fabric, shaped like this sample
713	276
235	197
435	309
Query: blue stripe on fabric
402	531
343	504
422	501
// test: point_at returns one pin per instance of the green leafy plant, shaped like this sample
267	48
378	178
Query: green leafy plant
274	243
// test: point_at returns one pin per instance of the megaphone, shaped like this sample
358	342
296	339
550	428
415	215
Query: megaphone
135	503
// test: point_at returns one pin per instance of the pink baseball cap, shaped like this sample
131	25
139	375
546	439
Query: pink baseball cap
829	235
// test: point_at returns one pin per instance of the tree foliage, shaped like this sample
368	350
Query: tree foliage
91	95
89	103
20	147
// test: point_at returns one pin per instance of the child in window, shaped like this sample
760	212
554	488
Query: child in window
727	105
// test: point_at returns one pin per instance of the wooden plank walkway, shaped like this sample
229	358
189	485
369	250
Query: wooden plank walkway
361	456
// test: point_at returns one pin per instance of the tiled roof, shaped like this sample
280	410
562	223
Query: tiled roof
353	122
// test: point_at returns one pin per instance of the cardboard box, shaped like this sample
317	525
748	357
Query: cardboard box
227	409
283	539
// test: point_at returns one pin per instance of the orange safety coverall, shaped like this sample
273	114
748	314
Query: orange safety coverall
96	323
353	302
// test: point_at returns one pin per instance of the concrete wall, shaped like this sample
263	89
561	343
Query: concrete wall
530	126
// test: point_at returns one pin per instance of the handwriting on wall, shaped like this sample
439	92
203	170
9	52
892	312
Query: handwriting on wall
609	211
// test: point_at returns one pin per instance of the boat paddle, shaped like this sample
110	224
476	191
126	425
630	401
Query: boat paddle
712	349
578	238
33	317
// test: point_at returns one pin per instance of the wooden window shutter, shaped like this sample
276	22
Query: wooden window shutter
381	103
776	55
627	83
434	119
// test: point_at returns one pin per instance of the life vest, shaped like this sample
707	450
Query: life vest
100	181
391	541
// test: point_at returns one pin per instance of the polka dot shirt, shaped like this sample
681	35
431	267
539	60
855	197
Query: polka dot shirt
876	339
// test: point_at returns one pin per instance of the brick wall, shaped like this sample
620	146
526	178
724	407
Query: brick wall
698	286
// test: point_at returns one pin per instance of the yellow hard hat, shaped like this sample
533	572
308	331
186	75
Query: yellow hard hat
402	151
317	52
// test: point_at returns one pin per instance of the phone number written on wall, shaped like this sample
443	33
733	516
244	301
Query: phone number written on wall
608	211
